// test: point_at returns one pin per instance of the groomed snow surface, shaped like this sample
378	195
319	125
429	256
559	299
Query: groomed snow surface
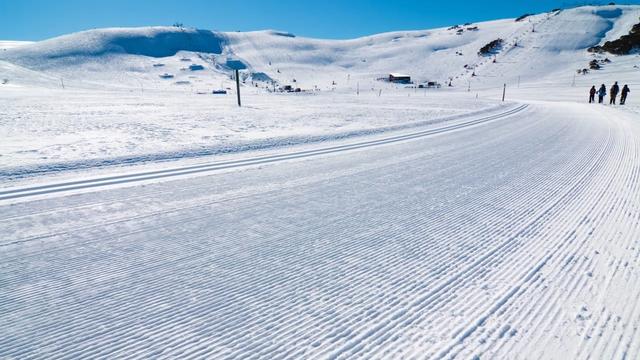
142	217
516	237
75	129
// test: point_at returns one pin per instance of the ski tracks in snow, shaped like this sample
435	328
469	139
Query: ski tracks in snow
513	238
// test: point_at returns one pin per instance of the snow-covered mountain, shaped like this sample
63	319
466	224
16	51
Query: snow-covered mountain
549	46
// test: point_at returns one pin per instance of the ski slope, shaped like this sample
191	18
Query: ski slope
512	236
143	217
545	47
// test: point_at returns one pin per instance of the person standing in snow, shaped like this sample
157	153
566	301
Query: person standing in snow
602	92
625	92
615	89
592	94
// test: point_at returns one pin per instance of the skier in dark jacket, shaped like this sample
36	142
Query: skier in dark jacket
592	94
602	92
615	89
625	92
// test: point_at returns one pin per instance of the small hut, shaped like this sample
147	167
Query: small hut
399	78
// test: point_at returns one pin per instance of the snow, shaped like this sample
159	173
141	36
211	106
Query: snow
149	41
146	217
111	57
86	68
349	255
4	44
70	129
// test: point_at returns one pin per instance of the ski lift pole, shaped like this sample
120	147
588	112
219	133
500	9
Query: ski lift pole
238	87
504	91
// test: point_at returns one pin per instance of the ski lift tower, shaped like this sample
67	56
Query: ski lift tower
236	65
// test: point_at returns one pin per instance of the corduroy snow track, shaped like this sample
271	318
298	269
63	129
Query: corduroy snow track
515	238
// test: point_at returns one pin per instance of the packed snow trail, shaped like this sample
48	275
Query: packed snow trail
513	238
22	192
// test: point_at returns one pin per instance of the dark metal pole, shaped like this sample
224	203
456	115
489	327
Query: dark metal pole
504	91
238	86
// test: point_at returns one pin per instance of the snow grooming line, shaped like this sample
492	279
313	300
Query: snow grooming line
463	334
273	142
20	193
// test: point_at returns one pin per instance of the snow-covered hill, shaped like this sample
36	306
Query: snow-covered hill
8	44
545	47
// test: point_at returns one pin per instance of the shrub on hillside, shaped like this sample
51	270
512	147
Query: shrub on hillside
491	48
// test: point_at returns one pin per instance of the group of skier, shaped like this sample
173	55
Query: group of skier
613	94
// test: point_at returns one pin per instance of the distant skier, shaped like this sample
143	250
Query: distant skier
602	92
625	92
613	93
592	94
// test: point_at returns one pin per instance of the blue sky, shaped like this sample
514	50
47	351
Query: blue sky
338	19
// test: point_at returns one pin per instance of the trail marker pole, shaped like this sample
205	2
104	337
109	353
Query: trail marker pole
237	65
238	87
504	91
